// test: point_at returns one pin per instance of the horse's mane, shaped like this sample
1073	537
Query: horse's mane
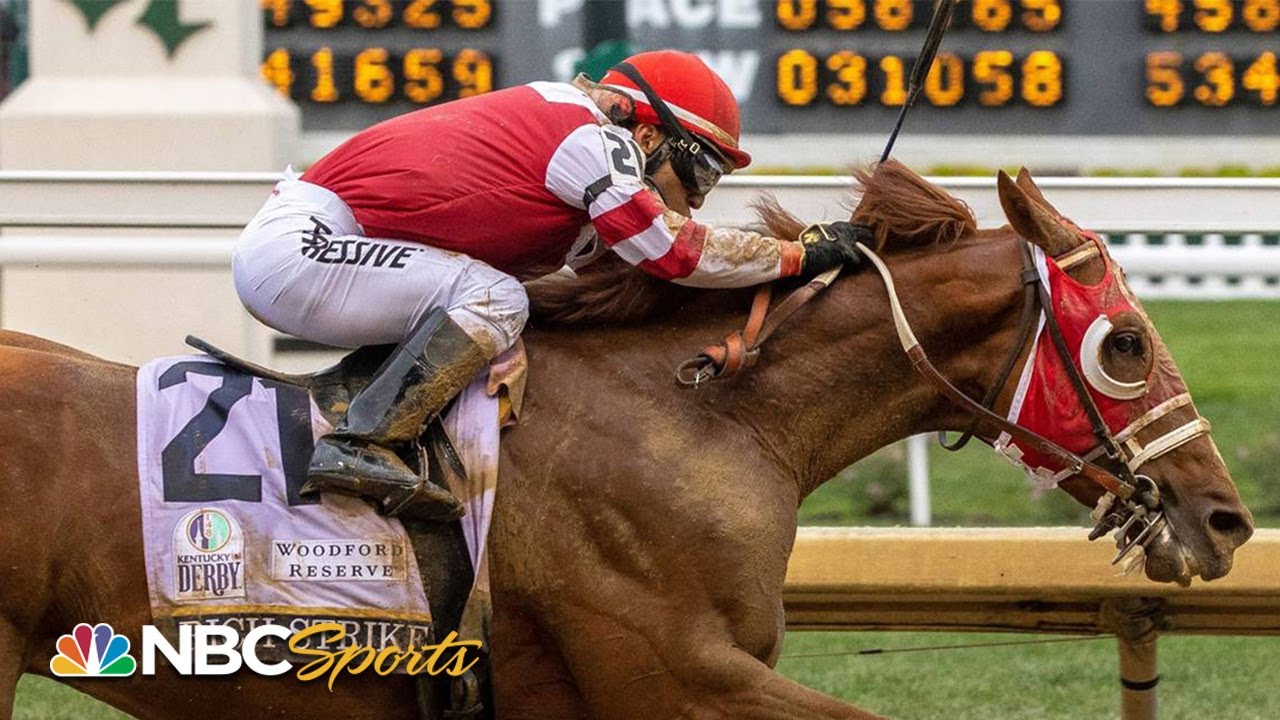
904	210
607	291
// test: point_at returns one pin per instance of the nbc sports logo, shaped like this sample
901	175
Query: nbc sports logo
92	651
96	651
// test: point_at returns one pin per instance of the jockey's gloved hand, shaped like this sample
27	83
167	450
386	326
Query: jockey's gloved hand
829	245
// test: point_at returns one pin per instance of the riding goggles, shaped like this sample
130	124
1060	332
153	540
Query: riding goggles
698	170
696	165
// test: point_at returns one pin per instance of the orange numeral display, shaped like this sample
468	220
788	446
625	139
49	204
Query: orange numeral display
944	85
1212	79
1042	79
992	15
1261	77
1165	87
372	14
1219	86
1166	14
992	69
848	78
324	14
797	77
1041	15
1261	15
850	86
376	76
1213	16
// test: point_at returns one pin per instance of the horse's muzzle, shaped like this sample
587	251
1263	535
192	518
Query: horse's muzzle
1177	558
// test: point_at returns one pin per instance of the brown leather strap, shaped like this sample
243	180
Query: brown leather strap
788	307
737	350
1069	459
1026	328
740	348
920	361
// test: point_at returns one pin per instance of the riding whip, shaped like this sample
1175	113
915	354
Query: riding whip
937	28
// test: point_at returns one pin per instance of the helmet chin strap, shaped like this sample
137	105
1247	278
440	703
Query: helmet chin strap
621	112
653	160
649	183
677	139
615	104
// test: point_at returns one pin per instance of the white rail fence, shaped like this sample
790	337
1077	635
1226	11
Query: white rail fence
1184	238
62	232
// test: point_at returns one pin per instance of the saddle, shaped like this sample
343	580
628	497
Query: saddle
440	548
332	390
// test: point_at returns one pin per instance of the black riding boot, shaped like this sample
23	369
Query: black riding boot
419	378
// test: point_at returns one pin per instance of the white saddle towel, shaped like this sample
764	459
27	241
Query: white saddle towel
228	540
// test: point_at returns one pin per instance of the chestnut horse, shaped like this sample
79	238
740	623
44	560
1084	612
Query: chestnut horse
642	531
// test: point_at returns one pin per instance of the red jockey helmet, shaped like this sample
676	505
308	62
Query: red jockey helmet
701	101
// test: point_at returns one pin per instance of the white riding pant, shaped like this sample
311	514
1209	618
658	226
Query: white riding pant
304	267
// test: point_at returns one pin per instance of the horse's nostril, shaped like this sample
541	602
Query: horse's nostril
1231	524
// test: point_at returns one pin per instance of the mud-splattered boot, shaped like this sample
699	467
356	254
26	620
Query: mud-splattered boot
419	378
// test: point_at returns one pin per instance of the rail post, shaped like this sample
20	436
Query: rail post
918	480
1135	622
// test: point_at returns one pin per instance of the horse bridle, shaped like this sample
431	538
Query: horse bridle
1130	499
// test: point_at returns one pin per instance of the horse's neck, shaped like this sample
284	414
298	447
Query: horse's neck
963	303
840	384
833	384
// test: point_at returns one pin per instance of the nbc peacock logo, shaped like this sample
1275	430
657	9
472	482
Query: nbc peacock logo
92	651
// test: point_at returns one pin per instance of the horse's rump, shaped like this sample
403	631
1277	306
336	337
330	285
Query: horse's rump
23	341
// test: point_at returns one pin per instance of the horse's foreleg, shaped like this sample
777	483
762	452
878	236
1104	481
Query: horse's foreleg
683	673
529	676
13	652
744	687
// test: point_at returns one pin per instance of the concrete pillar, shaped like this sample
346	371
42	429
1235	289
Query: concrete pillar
169	85
146	85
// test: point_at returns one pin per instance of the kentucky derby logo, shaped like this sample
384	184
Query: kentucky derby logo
92	652
208	530
208	552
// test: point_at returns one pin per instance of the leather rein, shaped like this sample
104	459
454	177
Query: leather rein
1129	500
741	348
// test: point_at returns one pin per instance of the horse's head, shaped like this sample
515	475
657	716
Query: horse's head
1137	392
1087	398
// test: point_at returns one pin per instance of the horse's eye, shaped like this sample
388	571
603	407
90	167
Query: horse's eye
1127	343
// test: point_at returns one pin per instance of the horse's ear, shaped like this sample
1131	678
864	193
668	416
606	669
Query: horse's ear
1032	220
1033	191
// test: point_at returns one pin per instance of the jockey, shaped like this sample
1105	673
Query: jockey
419	230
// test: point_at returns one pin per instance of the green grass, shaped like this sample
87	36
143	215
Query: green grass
43	699
1228	353
1201	677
